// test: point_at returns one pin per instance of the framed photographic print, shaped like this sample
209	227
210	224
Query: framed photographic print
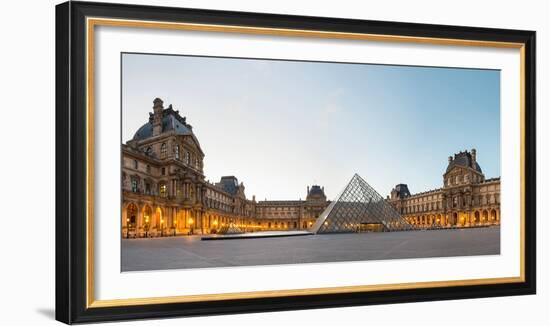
212	162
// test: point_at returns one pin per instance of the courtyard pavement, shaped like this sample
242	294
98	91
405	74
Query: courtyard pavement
191	252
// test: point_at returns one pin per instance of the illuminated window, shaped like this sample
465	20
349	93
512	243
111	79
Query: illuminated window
162	190
163	150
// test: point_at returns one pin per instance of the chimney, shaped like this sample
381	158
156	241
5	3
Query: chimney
157	116
474	157
450	159
308	190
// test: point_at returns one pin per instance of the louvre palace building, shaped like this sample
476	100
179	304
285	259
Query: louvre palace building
466	198
165	192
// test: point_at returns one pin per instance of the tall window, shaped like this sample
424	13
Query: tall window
135	164
163	150
134	185
163	171
162	190
148	168
177	152
147	188
187	158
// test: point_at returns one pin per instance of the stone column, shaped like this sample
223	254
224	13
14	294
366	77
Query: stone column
139	222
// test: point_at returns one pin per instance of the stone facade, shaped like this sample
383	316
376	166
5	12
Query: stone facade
164	190
466	199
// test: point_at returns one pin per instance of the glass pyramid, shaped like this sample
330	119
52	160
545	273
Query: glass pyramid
359	208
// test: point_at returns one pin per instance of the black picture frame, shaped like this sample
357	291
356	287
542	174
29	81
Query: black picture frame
71	158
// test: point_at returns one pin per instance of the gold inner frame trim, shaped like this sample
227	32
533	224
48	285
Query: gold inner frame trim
92	22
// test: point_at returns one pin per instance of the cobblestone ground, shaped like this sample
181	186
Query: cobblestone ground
191	252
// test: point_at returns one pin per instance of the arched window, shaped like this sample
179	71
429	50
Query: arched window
163	150
177	152
149	151
131	212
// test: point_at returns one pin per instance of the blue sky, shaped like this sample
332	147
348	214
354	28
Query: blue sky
280	126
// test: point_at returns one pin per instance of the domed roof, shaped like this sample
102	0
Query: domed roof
463	159
316	192
171	120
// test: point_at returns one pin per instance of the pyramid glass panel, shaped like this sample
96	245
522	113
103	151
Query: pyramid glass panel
359	208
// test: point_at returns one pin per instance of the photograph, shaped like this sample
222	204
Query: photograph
213	161
229	161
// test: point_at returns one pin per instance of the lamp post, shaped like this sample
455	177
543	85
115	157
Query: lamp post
175	227
127	228
146	226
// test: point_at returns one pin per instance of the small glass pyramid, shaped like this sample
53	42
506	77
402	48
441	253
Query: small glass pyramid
359	208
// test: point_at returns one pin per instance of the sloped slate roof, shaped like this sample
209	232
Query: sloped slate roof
316	190
463	159
169	122
229	184
403	190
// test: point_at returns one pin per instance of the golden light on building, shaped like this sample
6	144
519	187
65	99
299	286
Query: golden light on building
465	190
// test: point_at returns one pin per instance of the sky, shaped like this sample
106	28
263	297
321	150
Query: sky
279	126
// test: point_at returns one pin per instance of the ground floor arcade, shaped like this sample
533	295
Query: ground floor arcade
154	219
473	218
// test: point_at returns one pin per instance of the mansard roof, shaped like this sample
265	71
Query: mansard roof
229	183
171	121
402	190
463	159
